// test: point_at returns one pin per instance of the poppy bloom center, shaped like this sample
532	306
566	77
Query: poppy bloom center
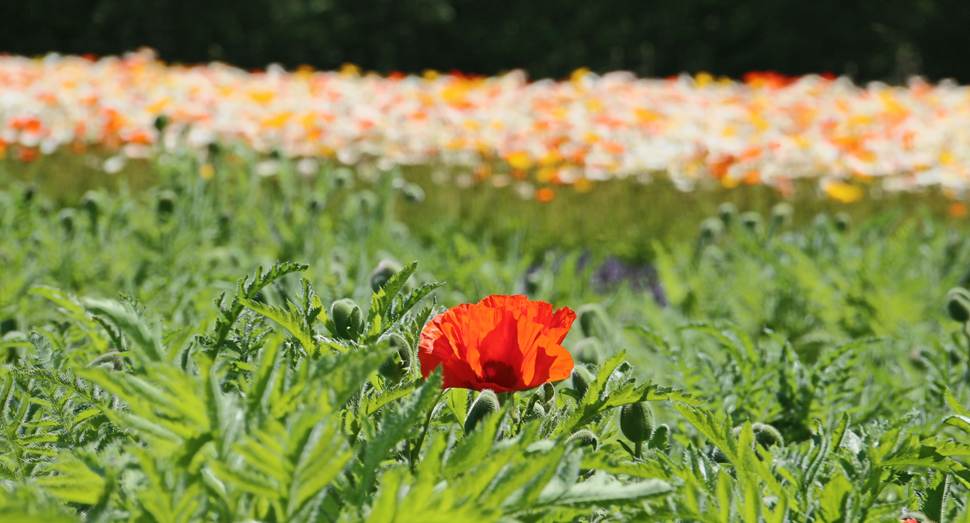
502	343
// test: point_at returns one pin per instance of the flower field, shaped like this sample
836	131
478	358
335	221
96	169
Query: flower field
278	323
768	129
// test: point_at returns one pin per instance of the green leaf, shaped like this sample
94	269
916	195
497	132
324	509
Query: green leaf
934	502
954	404
833	502
604	489
290	319
397	424
598	399
380	302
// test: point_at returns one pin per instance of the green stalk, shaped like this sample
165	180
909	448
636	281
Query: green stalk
416	450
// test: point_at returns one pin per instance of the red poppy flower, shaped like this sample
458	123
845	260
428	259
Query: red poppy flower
502	343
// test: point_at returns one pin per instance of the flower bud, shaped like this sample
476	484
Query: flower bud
727	212
66	217
548	391
536	411
752	222
484	405
396	367
843	222
718	456
343	177
109	360
637	421
383	272
7	325
585	438
767	435
781	215
589	350
346	318
580	381
660	438
166	203
91	203
958	304
161	122
413	193
593	320
711	229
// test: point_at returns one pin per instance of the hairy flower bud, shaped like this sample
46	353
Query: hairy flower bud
589	350
343	177
385	269
593	320
585	438
7	325
661	438
711	229
718	456
109	360
413	193
346	318
752	222
166	203
843	222
958	304
484	405
782	212
781	215
91	203
536	411
396	366
548	391
66	217
161	122
580	381
637	421
766	435
727	212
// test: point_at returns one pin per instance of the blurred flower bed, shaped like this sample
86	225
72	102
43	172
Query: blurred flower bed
766	129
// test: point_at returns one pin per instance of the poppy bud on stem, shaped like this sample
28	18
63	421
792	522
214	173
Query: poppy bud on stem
580	383
728	213
346	318
958	307
585	438
548	391
637	424
396	367
383	272
485	405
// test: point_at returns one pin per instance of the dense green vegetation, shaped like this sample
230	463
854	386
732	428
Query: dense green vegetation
549	38
153	372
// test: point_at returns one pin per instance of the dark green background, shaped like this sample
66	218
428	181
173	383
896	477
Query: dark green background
868	39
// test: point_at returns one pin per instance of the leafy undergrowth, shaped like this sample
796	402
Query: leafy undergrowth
786	375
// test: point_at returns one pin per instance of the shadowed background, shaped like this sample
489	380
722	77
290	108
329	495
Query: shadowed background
867	39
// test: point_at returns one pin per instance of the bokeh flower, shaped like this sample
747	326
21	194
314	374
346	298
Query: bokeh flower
502	343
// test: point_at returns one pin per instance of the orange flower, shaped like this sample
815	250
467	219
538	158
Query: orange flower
502	343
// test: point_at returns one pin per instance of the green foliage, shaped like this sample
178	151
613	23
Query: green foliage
804	375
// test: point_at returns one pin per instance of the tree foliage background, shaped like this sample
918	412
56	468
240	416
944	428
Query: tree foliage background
868	39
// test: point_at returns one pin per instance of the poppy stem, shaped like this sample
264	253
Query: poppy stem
416	450
966	333
638	450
